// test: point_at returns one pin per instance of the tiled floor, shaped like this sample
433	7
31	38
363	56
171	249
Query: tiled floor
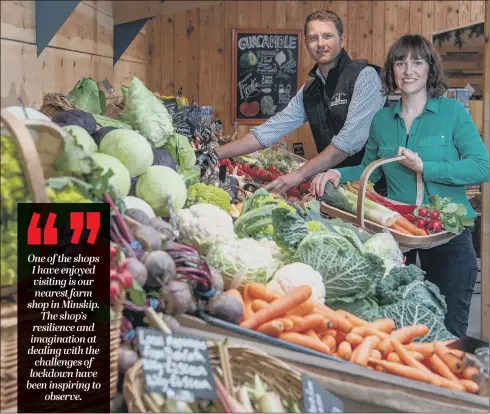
474	323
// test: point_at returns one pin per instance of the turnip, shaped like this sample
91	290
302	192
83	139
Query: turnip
149	238
176	297
138	270
226	307
160	267
127	357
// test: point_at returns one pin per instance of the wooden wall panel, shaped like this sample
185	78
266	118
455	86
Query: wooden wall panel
83	47
371	28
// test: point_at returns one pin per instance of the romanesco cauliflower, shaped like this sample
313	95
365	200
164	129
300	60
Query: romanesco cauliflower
210	194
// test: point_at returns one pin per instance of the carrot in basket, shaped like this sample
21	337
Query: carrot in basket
271	328
417	355
424	348
404	335
353	319
260	291
457	353
440	367
363	351
341	324
247	301
344	350
330	341
288	324
406	357
258	304
394	357
455	364
279	307
469	372
311	333
368	331
354	339
400	229
298	323
332	333
376	354
470	386
403	370
304	309
412	228
386	325
303	340
312	321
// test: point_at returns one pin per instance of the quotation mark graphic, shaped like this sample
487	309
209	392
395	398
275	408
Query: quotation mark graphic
34	231
77	225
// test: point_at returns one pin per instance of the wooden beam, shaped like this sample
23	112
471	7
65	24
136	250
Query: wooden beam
128	11
485	219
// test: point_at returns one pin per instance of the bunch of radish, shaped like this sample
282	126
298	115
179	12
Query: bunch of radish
120	276
425	219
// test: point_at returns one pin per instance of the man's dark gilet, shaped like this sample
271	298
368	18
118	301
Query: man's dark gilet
326	106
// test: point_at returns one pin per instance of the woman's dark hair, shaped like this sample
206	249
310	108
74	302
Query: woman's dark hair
419	48
326	16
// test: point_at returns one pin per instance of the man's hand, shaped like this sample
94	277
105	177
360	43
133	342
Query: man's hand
413	161
318	184
285	182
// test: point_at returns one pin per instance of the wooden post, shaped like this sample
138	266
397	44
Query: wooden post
485	218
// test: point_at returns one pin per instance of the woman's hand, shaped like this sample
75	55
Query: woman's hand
318	184
285	182
413	161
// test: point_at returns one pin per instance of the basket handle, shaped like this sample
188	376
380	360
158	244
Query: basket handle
29	156
361	196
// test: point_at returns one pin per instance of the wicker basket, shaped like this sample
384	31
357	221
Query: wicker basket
8	357
115	344
54	103
241	362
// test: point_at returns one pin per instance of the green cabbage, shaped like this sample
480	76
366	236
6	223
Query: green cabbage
82	137
121	180
348	273
146	113
181	150
87	96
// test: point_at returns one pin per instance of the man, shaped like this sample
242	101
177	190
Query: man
339	102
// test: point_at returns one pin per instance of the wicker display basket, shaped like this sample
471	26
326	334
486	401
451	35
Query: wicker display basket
405	241
239	365
115	345
54	103
8	357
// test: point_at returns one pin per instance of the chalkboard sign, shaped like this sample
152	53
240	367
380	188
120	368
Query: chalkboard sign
316	399
176	366
265	74
171	105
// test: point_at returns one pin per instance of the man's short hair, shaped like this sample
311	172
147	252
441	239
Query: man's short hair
326	16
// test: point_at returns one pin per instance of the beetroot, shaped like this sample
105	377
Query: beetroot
138	270
226	307
160	267
127	357
176	297
148	237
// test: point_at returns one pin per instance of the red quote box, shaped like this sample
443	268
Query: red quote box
64	308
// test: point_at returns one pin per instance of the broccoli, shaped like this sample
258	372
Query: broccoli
210	194
389	289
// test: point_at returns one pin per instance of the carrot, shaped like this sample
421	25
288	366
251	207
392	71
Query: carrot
394	357
260	291
385	325
298	323
470	372
452	385
258	304
330	341
341	336
400	229
326	327
311	333
424	348
403	370
342	324
417	355
354	320
379	368
288	324
455	364
404	335
332	333
306	341
354	339
247	310
312	321
406	357
412	228
376	354
279	307
345	350
304	309
271	328
457	353
363	351
369	331
440	367
470	386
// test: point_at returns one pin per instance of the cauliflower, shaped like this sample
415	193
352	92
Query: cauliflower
273	248
203	193
297	274
204	225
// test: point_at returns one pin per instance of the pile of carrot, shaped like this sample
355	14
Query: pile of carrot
404	226
298	318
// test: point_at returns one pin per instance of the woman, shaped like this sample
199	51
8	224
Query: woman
440	141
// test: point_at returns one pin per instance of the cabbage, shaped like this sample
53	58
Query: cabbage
348	273
157	185
99	135
121	179
87	96
129	147
247	254
162	157
385	246
82	137
76	117
181	150
138	203
146	113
